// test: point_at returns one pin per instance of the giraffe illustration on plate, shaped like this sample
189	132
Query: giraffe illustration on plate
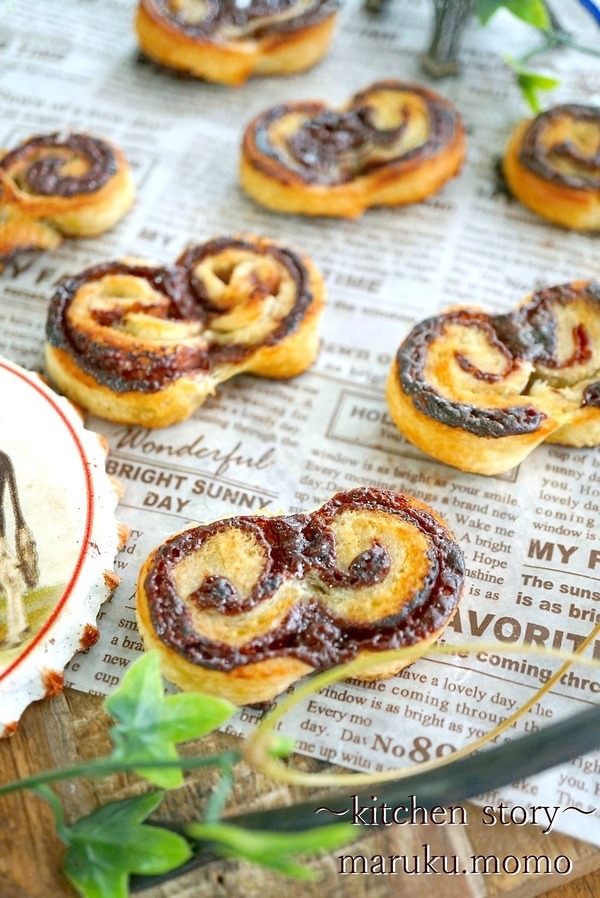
19	568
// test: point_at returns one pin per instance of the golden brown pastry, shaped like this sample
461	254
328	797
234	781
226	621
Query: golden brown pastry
394	143
480	392
552	165
19	233
245	606
61	184
227	41
143	344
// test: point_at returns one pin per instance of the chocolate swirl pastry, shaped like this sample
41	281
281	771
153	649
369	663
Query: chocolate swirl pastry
394	143
245	606
227	41
143	344
61	184
20	233
480	392
552	165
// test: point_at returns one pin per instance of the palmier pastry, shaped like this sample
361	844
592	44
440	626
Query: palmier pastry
394	143
552	165
245	606
480	392
61	184
19	233
227	41
138	343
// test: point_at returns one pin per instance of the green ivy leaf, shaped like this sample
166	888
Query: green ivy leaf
274	850
112	842
534	12
150	724
531	82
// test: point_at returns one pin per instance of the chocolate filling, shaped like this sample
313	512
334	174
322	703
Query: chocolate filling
296	546
235	352
139	369
538	157
334	147
44	175
248	17
591	396
529	333
331	140
483	422
147	370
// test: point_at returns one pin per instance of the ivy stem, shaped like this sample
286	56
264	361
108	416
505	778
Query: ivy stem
107	766
218	799
554	39
59	817
569	42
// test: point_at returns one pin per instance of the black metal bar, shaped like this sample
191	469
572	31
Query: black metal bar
455	782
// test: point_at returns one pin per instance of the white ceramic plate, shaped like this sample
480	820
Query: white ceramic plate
58	539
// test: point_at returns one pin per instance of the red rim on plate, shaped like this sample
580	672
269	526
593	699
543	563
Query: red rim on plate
58	539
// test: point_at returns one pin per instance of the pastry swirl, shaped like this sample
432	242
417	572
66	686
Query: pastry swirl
552	165
225	41
61	184
20	233
139	343
393	143
480	392
244	606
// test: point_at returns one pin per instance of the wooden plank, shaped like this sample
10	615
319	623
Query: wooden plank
72	727
582	888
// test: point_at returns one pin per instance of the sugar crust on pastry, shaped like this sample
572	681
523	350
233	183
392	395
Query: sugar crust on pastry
480	392
394	143
552	165
227	42
61	184
139	343
245	606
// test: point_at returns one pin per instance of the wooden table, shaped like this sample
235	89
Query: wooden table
72	727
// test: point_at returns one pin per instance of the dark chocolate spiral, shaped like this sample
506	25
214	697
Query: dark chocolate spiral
390	123
230	19
368	571
552	165
93	316
227	41
255	273
43	165
414	360
559	331
562	145
138	327
481	391
61	184
147	344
